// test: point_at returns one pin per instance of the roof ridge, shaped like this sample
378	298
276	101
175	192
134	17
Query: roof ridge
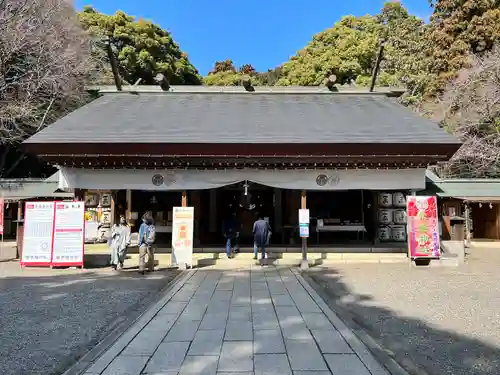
256	90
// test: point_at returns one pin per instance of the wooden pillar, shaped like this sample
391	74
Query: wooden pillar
278	211
195	199
19	230
128	214
467	225
213	211
184	199
303	204
113	213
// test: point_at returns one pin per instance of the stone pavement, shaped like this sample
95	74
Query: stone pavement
255	320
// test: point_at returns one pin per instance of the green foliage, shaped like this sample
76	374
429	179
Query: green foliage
225	74
349	50
227	78
350	47
143	48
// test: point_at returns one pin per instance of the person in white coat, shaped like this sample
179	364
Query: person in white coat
120	241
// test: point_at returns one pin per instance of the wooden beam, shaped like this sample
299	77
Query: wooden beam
184	199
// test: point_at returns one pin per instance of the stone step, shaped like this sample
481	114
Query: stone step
282	259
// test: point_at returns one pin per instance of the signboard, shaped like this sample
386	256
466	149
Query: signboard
182	236
69	234
423	227
304	222
38	233
2	202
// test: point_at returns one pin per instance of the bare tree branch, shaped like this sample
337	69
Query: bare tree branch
44	62
470	108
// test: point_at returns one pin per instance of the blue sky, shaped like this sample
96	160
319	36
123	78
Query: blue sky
264	33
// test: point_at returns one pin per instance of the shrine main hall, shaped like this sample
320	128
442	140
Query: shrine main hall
349	156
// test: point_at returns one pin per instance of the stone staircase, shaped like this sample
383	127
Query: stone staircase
101	258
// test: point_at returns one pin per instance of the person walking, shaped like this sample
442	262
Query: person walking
147	237
230	233
261	231
120	241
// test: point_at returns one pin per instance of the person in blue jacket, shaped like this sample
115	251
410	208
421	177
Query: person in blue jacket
147	237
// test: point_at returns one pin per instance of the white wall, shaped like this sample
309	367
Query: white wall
320	180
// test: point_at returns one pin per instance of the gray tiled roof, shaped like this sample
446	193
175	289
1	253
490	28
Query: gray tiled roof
243	118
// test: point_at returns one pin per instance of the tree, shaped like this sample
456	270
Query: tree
459	28
223	66
349	49
269	78
143	48
224	74
470	108
44	62
247	69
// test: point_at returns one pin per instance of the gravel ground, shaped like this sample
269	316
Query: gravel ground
443	320
50	318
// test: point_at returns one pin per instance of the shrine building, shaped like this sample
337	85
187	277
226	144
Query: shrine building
350	157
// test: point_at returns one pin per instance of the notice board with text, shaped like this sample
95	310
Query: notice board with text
38	233
54	234
69	234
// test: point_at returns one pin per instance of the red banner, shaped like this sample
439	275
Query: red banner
423	227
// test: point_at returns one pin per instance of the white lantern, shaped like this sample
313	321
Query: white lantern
384	233
385	199
398	233
385	216
399	200
399	217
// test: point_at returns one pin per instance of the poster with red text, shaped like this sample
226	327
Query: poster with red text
182	236
423	227
38	233
69	234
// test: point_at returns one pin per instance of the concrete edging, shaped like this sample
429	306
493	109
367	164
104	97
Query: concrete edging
385	358
123	327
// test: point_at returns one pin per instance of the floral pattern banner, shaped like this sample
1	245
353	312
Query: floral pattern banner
423	227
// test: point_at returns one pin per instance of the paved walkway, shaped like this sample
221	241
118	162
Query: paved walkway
249	321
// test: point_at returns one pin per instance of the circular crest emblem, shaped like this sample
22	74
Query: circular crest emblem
169	179
334	180
322	180
157	180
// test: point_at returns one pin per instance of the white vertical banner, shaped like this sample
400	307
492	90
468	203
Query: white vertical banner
182	236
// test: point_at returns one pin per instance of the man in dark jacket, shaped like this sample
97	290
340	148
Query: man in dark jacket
231	228
261	232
